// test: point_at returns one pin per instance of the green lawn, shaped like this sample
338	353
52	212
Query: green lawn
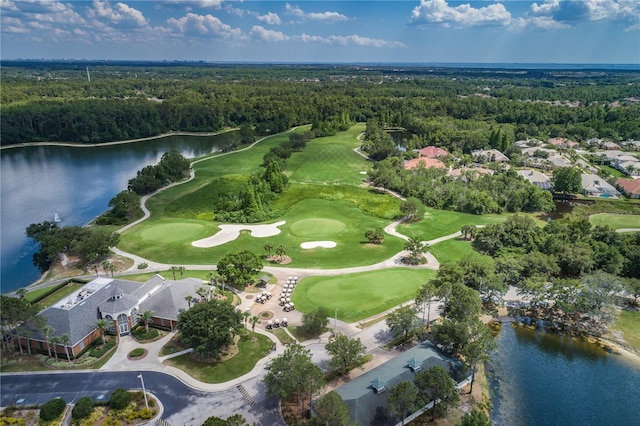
629	323
616	221
451	250
361	295
438	223
59	295
249	354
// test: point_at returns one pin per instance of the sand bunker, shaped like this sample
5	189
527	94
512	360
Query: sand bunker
229	233
314	244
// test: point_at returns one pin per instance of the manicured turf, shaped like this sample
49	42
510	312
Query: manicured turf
249	354
438	223
173	231
616	221
59	295
451	250
358	296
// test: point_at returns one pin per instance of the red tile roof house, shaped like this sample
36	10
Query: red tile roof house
115	300
630	187
424	162
432	152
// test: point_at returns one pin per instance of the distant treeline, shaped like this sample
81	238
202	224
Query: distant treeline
58	103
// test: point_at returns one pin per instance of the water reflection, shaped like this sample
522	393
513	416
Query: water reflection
74	182
538	378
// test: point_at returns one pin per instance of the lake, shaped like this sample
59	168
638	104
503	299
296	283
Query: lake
538	378
38	183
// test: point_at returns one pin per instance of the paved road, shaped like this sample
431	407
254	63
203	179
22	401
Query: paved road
181	404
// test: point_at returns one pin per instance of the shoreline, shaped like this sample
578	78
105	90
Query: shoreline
93	145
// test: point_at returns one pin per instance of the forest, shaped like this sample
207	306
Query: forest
461	107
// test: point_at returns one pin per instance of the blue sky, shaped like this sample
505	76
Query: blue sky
520	31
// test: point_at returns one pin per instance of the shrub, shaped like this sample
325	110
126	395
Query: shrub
143	265
137	352
52	409
120	399
83	408
99	349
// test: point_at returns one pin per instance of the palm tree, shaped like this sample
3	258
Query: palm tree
101	325
146	317
182	270
105	266
268	248
55	340
203	293
468	231
245	317
281	251
173	270
188	298
47	330
254	320
112	267
66	341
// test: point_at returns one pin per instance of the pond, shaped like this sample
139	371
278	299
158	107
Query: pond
73	185
538	378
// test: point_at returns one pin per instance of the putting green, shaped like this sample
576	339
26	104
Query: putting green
173	232
317	228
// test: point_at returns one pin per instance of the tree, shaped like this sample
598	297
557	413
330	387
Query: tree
146	317
65	339
54	341
479	345
52	409
281	251
426	293
436	385
15	313
375	236
632	286
209	327
47	330
568	180
173	270
468	231
203	293
412	208
403	321
475	418
188	298
21	292
238	268
293	374
416	249
253	321
332	411
101	325
314	322
346	353
268	247
235	420
182	270
404	398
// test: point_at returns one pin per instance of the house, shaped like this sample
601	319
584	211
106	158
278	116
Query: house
119	302
474	171
425	162
595	186
562	143
432	152
531	152
630	187
489	156
527	143
537	178
367	396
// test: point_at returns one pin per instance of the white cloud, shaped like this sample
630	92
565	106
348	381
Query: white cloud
314	16
268	35
351	40
438	12
270	18
120	14
195	24
571	12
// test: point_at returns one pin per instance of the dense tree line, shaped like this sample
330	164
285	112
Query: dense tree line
171	168
504	191
131	102
86	243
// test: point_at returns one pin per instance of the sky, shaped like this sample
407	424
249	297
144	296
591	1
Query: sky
418	31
